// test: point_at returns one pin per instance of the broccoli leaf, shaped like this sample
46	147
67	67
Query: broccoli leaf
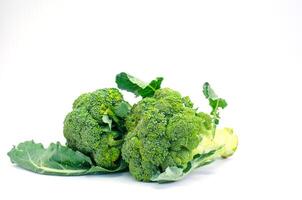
149	90
98	170
55	160
214	101
175	173
129	83
139	88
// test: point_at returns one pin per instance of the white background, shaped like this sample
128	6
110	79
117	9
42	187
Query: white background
250	51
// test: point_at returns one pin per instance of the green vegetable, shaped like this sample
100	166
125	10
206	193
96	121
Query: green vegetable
161	138
138	87
165	136
95	126
55	160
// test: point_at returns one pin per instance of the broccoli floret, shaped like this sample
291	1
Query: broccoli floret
95	126
164	130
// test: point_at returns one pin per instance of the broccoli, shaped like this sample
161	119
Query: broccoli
96	128
163	132
166	133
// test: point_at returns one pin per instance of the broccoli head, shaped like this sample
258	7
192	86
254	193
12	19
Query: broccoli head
164	131
96	128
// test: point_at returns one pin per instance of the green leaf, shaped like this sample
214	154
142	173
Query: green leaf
55	160
139	88
127	82
150	89
175	173
97	169
214	101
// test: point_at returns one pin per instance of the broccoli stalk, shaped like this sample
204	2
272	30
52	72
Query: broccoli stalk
225	140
